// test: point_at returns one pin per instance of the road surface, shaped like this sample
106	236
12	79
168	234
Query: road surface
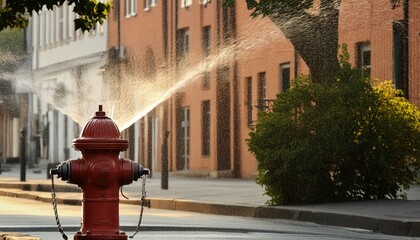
37	219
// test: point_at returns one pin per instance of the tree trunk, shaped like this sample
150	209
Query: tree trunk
315	37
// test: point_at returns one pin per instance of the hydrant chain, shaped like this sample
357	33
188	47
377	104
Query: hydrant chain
54	203
143	196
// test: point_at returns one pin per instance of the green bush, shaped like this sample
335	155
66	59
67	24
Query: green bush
347	141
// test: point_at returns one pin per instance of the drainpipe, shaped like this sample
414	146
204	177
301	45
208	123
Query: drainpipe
296	60
165	30
119	25
236	119
406	50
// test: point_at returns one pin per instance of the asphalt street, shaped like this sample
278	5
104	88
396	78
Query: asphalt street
227	197
37	219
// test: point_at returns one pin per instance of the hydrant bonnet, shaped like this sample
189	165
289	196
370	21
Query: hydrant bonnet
100	133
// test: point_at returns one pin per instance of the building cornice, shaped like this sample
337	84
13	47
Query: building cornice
71	64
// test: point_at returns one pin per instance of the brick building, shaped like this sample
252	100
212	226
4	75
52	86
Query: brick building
209	118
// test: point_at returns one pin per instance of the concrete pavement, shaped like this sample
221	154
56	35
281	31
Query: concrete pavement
233	197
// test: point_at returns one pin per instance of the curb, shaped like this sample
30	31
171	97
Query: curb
385	226
39	187
16	236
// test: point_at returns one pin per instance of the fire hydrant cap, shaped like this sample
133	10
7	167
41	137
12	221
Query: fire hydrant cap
100	132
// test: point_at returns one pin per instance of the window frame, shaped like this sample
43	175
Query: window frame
206	80
362	49
186	3
184	45
284	86
146	5
205	128
262	90
205	2
131	8
249	100
206	40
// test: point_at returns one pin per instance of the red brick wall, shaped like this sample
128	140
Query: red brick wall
264	48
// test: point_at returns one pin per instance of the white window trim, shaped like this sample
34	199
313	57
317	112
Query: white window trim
127	8
65	20
133	8
153	3
53	24
205	2
146	5
42	29
130	8
60	24
71	26
186	3
283	66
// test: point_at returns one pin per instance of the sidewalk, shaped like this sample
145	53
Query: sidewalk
233	197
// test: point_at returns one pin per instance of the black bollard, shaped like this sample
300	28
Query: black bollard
23	155
164	178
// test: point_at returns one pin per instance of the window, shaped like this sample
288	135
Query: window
183	43
249	99
70	27
130	8
397	54
206	40
47	29
185	137
363	61
204	2
261	91
41	29
284	76
146	5
205	134
60	27
206	81
186	3
52	23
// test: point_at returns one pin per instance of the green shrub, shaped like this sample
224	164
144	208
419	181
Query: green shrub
348	141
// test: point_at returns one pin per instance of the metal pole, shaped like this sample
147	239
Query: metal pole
164	175
23	154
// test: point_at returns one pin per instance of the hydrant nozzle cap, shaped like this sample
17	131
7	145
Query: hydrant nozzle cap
100	113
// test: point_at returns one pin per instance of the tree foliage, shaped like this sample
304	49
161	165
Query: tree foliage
12	50
14	14
348	141
311	28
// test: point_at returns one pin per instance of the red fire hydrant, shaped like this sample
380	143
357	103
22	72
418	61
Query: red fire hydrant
100	173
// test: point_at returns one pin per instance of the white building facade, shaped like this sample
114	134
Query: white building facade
67	68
